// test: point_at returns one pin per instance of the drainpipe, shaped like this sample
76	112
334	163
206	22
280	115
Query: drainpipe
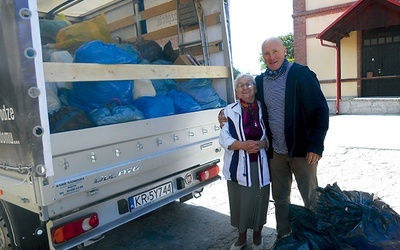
338	74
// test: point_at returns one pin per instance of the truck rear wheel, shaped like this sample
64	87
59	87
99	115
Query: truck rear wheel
5	235
18	229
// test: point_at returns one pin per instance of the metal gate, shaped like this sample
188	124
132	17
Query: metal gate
380	62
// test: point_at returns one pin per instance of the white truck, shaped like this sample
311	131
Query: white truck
65	188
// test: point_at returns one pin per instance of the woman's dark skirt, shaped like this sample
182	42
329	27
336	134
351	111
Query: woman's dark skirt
248	205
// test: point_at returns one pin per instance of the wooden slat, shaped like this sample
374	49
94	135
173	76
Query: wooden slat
73	72
158	10
211	20
122	23
159	34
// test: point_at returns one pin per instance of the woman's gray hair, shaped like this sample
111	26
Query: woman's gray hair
242	76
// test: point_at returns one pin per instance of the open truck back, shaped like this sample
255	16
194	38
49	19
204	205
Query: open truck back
67	178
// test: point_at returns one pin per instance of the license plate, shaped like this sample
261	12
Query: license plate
150	195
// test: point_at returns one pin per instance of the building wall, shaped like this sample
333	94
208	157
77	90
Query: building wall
312	17
313	5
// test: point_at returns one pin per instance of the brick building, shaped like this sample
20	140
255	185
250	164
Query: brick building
353	46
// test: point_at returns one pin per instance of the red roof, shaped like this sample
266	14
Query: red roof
363	15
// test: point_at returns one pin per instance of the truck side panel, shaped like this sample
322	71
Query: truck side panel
23	137
117	172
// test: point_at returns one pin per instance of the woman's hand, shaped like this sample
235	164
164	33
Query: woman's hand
252	147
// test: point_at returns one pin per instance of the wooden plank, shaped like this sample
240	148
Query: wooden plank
74	72
122	23
211	20
158	10
159	34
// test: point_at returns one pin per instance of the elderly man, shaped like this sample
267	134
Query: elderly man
297	114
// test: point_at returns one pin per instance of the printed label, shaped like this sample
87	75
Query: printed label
70	187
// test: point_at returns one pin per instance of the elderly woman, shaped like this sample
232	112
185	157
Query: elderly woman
245	168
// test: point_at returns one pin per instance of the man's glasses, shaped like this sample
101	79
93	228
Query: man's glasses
246	85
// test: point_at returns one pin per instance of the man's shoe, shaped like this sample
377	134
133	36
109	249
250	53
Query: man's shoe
284	236
278	238
257	247
234	247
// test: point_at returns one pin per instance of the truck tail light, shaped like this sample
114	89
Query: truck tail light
75	228
208	173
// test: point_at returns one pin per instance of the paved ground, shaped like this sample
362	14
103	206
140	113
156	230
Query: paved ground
362	153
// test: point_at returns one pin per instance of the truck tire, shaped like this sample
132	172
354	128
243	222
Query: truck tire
18	229
5	235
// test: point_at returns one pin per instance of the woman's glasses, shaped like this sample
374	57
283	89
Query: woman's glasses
246	85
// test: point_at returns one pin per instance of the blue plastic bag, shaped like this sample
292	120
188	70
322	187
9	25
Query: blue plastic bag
98	94
163	86
155	106
104	53
131	50
183	102
203	92
115	114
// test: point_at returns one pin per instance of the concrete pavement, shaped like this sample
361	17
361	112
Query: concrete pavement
362	153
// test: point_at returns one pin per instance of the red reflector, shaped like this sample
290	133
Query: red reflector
75	228
208	173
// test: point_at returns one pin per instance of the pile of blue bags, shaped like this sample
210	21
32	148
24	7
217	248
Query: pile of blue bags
342	220
109	102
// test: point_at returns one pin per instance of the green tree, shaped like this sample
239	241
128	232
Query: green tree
288	42
236	72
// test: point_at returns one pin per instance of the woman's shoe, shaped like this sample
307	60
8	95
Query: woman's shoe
234	247
257	247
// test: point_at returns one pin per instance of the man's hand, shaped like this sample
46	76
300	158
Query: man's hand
312	158
221	118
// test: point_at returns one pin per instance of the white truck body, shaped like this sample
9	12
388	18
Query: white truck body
116	172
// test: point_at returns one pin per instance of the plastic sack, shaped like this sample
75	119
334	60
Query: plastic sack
99	94
183	102
115	114
143	87
155	106
149	50
306	232
69	118
161	62
203	92
73	36
62	17
342	220
357	218
130	49
53	103
105	53
49	30
64	57
169	53
163	86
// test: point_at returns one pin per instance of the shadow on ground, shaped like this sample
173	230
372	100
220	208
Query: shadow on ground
177	226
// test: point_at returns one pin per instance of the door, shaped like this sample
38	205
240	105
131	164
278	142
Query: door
380	62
